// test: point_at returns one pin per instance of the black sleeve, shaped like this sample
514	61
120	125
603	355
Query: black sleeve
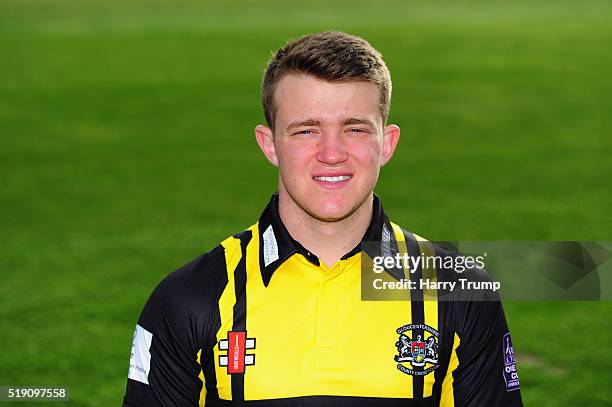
486	373
173	327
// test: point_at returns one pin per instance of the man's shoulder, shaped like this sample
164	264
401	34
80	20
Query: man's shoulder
403	234
182	306
450	263
203	278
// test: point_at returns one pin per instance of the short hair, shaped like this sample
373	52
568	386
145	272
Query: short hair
330	56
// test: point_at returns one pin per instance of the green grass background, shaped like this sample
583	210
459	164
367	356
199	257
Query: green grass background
127	148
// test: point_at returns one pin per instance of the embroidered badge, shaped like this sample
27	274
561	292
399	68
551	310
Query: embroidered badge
419	349
510	372
236	346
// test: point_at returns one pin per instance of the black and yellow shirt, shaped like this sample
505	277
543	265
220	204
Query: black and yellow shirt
259	320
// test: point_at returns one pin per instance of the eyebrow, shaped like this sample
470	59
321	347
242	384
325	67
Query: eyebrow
304	123
315	123
357	120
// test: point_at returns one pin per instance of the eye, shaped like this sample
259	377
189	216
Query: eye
357	130
304	132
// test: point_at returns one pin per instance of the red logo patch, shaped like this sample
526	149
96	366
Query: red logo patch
236	346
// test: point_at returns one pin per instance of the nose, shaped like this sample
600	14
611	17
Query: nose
331	148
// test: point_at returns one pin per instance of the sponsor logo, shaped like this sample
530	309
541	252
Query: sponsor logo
140	358
236	346
418	350
510	372
385	242
270	248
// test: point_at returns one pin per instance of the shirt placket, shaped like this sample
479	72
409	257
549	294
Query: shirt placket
328	354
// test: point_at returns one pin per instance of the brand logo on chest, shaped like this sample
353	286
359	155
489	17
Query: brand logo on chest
236	346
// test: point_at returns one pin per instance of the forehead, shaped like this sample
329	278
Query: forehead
301	97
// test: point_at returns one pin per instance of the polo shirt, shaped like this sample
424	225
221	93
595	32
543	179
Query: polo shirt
260	321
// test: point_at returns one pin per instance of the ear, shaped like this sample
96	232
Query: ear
390	139
265	139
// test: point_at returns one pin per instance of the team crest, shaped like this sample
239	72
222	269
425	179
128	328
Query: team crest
417	351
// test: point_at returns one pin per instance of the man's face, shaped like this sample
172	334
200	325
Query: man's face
329	144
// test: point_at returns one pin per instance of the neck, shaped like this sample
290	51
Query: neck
328	240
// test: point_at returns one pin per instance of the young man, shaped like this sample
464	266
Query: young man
273	315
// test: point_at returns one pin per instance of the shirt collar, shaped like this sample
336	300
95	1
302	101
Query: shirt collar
276	244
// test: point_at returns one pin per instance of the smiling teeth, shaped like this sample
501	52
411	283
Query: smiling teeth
334	179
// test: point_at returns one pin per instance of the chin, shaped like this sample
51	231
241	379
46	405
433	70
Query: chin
331	212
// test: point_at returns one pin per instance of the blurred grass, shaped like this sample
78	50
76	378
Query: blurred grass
126	149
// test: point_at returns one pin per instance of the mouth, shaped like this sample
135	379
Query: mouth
332	181
339	178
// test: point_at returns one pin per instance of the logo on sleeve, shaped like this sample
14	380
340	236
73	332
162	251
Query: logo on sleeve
510	372
140	358
236	346
420	351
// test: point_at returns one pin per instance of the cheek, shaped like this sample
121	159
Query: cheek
368	154
294	157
